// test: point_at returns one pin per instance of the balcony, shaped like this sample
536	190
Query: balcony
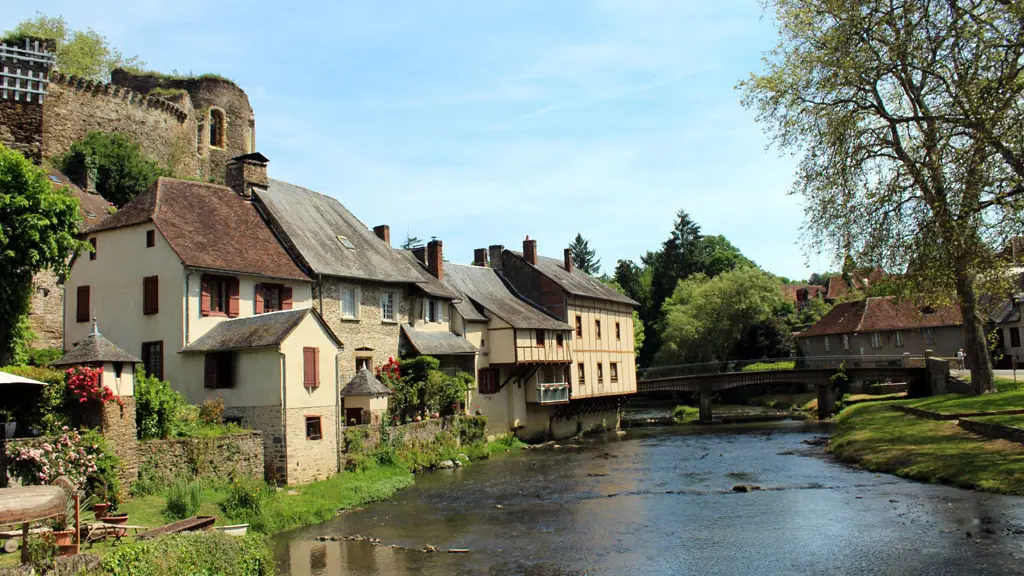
552	393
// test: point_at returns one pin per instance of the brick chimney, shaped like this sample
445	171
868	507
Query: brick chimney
568	260
420	253
496	250
530	250
480	257
435	262
245	172
383	232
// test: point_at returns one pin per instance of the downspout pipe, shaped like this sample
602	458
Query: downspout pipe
188	315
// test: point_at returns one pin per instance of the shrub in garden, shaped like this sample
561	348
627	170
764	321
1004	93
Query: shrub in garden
212	411
157	405
47	410
84	386
199	553
245	498
183	500
68	455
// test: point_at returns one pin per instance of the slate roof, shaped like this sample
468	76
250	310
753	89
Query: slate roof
882	314
1008	311
208	226
364	383
428	283
94	348
484	287
437	342
259	331
577	282
92	207
312	223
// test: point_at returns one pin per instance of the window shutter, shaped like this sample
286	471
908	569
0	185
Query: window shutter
259	298
150	295
233	297
426	303
286	298
204	298
210	371
316	366
309	367
82	309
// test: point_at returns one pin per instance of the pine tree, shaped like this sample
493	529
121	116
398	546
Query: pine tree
583	256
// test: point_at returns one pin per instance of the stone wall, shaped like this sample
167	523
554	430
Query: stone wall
21	128
310	460
269	421
992	430
47	317
219	457
413	433
118	426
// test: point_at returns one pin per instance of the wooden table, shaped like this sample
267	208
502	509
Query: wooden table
97	531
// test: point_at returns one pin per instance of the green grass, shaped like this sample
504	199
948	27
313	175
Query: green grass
1010	420
769	366
955	403
684	413
884	440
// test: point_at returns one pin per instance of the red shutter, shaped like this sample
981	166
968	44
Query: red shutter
286	298
82	310
210	371
316	365
233	297
259	298
150	295
309	367
204	298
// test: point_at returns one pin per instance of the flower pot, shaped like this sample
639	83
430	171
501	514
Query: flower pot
120	520
63	537
101	510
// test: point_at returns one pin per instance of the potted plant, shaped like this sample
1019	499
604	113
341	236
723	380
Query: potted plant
9	425
119	520
63	532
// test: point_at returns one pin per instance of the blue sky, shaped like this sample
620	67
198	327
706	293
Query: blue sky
481	122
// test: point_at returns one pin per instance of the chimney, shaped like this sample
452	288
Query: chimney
435	262
81	177
530	250
480	257
383	232
496	251
420	253
568	259
246	172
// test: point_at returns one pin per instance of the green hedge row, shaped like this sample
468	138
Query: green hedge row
193	553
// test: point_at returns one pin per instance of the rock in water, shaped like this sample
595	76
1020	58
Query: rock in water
446	464
745	487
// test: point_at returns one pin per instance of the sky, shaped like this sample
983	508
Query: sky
480	122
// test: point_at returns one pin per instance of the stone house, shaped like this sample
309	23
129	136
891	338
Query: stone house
884	326
365	398
176	263
1006	321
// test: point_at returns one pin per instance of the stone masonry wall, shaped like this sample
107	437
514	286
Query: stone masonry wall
47	317
416	432
311	460
21	128
220	457
118	425
269	421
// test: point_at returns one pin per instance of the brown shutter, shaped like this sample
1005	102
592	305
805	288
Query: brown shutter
286	298
316	365
233	297
210	371
309	367
82	309
150	295
259	298
204	298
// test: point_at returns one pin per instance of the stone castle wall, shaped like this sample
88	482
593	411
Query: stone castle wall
220	457
21	128
47	317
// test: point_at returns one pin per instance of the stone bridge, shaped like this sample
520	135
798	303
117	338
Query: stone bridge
705	380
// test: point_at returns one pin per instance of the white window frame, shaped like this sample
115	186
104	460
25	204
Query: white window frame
899	339
846	342
876	339
438	308
828	345
356	297
394	307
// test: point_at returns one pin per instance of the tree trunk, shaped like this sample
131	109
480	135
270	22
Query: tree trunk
974	332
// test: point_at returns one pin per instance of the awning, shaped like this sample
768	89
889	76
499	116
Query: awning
437	342
6	378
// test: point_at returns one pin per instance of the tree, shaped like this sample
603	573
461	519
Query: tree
38	230
411	242
584	257
117	165
718	255
908	119
79	53
638	324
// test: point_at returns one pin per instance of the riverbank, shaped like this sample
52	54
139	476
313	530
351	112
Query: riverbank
881	439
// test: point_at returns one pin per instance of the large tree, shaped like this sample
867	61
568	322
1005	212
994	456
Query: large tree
84	53
584	257
908	117
38	230
118	166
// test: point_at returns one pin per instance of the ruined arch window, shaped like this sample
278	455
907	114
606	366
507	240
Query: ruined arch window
216	128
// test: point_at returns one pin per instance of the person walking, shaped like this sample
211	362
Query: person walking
960	359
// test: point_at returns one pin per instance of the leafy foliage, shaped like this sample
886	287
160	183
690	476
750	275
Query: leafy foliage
83	53
205	553
38	230
183	499
46	410
423	388
118	166
157	406
584	257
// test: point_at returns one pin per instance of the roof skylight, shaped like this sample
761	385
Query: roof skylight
346	243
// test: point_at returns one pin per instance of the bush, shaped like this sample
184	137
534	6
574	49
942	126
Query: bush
105	481
685	413
245	498
43	356
183	500
199	553
118	166
157	405
212	411
472	429
47	410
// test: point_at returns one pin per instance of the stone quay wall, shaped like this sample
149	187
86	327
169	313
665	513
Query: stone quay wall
219	457
992	430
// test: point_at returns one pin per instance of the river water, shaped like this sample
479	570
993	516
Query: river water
661	501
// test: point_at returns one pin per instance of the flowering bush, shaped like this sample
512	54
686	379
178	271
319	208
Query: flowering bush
68	455
389	373
84	385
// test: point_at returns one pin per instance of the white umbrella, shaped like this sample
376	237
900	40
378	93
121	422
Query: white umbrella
7	378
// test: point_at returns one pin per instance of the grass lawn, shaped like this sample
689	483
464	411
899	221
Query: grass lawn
1012	420
953	403
884	440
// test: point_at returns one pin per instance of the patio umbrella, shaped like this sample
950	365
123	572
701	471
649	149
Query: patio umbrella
7	378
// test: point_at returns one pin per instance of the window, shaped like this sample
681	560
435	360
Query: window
597	329
846	341
899	339
153	358
929	337
613	372
618	331
216	128
313	430
582	373
433	310
219	296
150	295
1015	337
219	370
559	340
272	298
364	362
876	339
828	345
310	367
200	129
600	373
579	326
540	337
349	303
387	306
150	238
82	304
487	381
92	243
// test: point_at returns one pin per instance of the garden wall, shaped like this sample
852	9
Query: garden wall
217	457
367	437
990	430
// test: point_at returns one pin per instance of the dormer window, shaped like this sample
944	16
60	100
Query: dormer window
216	128
346	243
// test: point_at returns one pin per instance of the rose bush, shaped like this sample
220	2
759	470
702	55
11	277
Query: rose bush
68	455
84	386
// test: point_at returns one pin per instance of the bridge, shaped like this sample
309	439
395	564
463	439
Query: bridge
817	372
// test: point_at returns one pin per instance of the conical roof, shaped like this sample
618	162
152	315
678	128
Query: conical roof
94	348
365	384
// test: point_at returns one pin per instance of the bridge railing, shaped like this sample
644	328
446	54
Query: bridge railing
777	364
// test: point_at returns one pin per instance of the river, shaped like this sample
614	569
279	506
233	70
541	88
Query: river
660	501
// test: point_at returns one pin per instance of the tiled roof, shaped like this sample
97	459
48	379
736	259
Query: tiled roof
882	314
208	226
428	283
94	348
313	223
93	207
437	342
484	287
365	384
259	331
577	282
